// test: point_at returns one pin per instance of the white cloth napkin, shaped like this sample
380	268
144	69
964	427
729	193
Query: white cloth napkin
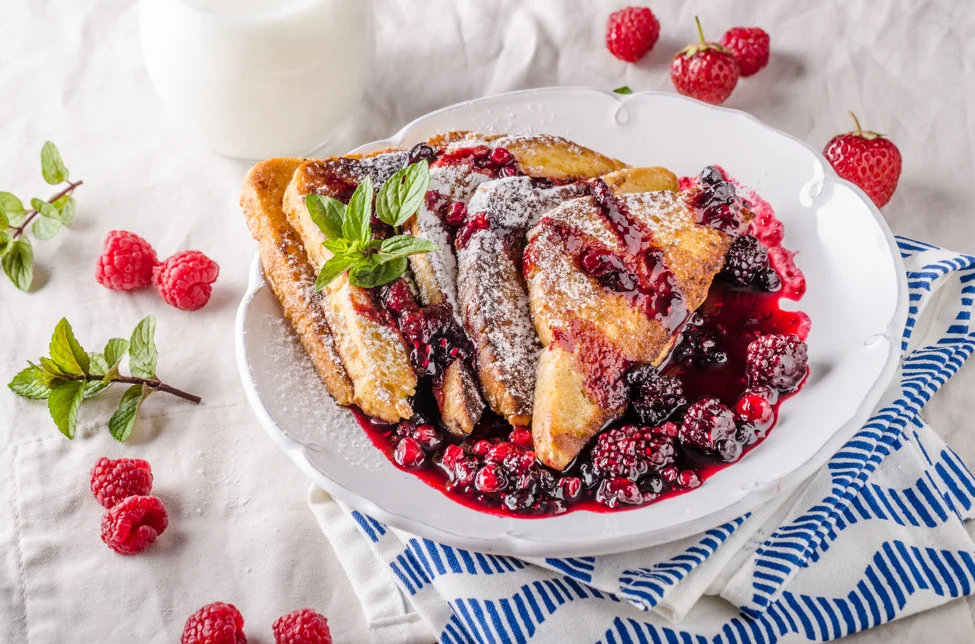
876	535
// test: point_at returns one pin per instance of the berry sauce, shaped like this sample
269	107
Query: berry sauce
494	469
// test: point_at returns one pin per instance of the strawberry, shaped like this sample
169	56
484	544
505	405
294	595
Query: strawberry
704	70
631	33
750	45
867	159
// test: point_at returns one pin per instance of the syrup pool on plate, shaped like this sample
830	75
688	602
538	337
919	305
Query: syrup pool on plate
494	469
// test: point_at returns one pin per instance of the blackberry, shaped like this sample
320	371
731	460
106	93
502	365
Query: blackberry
699	347
778	361
746	257
653	397
710	176
422	151
631	452
767	280
709	427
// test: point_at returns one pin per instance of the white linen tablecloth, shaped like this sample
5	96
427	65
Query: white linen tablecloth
240	530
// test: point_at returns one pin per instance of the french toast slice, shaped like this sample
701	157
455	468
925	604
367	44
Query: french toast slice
595	324
374	353
288	272
389	386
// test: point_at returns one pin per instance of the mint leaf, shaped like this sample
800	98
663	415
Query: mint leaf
66	207
371	274
327	213
403	245
66	353
63	404
5	240
339	246
52	167
115	350
402	195
623	90
29	383
11	204
98	367
335	267
355	226
48	223
4	222
122	422
142	349
51	373
18	263
97	364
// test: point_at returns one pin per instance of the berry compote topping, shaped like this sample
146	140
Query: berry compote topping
718	204
640	272
435	338
738	357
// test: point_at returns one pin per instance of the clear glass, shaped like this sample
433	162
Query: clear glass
259	78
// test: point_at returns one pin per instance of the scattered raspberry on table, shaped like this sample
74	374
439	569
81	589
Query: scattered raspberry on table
184	280
112	481
126	263
133	524
750	45
868	159
631	33
216	623
704	70
303	626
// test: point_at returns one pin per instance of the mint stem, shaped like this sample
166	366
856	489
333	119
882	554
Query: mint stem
19	230
152	384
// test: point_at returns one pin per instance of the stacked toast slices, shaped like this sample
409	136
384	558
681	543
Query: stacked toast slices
551	342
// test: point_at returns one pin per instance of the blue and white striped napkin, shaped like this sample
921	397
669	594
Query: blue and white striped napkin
874	536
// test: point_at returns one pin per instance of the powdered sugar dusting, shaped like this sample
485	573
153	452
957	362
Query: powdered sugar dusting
496	316
380	167
458	182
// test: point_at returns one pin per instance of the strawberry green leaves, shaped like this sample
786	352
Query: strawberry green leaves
70	375
348	229
45	219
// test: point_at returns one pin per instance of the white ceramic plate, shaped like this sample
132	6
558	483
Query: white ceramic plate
856	298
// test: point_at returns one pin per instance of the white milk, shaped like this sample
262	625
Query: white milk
259	78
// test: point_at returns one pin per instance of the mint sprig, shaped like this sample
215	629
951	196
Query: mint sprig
371	262
71	375
45	218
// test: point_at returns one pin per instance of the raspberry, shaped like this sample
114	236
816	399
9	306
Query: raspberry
133	524
409	454
112	481
216	623
630	452
746	257
654	398
126	263
710	427
779	361
491	479
303	626
750	45
184	279
631	33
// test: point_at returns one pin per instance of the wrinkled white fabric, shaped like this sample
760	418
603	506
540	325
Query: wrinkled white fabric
240	530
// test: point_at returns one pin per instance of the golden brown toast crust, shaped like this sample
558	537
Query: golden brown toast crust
288	272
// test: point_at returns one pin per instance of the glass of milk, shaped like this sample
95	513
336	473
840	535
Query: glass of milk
259	78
